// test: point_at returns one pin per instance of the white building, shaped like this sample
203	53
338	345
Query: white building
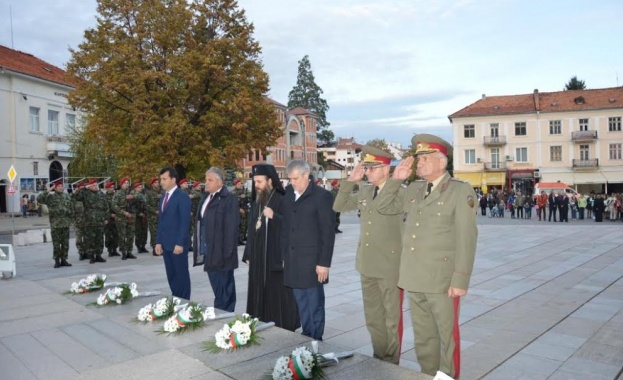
34	119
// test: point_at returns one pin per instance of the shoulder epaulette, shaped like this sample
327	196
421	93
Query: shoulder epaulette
457	179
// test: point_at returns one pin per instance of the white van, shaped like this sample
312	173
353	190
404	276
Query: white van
556	187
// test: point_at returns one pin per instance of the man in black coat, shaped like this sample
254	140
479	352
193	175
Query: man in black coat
552	203
216	234
307	240
563	207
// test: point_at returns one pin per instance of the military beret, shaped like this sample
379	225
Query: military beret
183	181
196	183
153	180
124	180
334	182
236	181
318	181
371	156
92	181
56	182
425	143
109	185
79	184
137	184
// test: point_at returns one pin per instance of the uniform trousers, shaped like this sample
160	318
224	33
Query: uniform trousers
435	318
60	242
310	302
382	307
224	288
178	276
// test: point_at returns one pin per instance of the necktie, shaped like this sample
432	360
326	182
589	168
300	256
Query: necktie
166	199
428	190
376	192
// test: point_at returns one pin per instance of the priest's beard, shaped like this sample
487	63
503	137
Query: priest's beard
264	195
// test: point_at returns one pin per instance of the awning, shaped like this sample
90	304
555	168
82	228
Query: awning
565	177
613	177
588	178
474	179
494	178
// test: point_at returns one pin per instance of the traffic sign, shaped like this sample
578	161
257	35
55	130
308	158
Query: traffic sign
11	189
12	174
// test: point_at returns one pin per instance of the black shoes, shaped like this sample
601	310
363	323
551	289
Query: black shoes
337	231
64	263
61	263
57	263
130	256
82	256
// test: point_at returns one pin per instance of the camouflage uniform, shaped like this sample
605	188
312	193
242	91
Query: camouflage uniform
152	200
195	198
334	190
241	195
110	230
140	226
96	215
61	214
126	215
78	224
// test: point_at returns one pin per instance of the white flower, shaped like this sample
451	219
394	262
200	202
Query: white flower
208	313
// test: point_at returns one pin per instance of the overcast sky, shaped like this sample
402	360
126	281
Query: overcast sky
390	68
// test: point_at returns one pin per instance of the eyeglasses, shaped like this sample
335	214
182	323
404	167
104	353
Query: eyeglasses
371	168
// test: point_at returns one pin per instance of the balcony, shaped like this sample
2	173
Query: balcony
495	166
585	164
494	141
583	136
58	146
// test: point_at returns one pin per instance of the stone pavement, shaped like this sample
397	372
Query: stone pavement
546	302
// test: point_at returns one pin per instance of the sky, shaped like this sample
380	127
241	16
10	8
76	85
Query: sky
389	68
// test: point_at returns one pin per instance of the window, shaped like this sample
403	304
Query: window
520	129
555	127
469	131
521	154
615	151
251	156
35	168
584	153
495	158
257	155
52	123
495	129
614	124
470	156
34	119
555	153
583	124
70	123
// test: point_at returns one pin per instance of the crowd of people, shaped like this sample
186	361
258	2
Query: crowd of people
557	207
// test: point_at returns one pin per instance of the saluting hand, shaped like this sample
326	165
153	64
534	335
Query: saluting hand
404	169
357	174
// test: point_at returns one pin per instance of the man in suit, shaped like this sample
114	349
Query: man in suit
438	250
172	239
378	254
216	238
307	241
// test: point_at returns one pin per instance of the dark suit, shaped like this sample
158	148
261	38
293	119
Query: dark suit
307	240
216	234
173	225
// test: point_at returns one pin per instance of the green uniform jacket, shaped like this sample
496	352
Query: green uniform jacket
60	208
440	233
96	209
152	201
378	254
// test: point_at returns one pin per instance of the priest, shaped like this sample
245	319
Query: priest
268	299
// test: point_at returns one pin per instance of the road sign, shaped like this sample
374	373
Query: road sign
11	189
12	174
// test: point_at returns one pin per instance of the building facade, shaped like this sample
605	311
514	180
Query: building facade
345	152
515	141
35	118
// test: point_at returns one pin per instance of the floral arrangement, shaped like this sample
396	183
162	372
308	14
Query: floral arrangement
191	317
161	309
88	284
117	295
301	364
239	332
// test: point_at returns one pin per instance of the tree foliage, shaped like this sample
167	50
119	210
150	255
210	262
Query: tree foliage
575	84
380	144
172	82
307	94
90	159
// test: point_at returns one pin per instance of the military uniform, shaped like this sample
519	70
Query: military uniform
111	236
96	213
378	260
61	215
334	190
438	251
194	194
79	221
123	207
243	201
152	200
140	226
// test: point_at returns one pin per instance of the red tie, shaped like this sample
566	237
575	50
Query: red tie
164	203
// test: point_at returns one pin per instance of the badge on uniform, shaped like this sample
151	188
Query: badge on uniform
470	201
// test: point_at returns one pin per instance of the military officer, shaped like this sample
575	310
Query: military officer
140	224
194	194
335	187
123	207
438	250
79	221
152	199
111	236
243	201
96	213
61	214
378	255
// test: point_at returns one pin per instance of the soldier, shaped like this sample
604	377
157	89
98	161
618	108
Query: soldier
79	221
96	214
378	254
110	231
438	250
140	226
335	187
152	199
61	214
126	214
241	195
183	184
195	197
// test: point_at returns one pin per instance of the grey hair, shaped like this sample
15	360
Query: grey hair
217	171
298	165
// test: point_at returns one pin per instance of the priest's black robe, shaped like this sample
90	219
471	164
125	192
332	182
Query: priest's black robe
268	299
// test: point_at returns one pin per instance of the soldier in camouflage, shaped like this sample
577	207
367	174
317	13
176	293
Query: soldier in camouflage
123	207
140	226
61	214
152	200
110	231
79	221
96	214
183	184
195	199
241	195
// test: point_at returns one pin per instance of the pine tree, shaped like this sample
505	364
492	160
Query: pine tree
307	94
575	84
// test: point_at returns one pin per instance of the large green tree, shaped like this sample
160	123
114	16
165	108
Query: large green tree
307	94
173	82
575	84
380	144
